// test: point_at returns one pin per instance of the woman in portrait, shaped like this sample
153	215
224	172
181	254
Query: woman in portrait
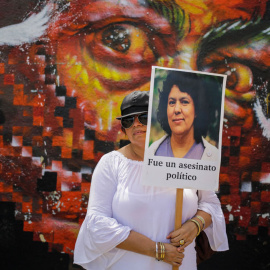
131	226
184	113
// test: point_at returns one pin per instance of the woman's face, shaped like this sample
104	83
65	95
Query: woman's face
180	112
137	133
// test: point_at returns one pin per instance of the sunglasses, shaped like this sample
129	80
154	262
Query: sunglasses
128	121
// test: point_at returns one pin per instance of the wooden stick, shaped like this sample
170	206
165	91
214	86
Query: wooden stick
178	213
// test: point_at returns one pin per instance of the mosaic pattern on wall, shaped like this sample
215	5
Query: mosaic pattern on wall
65	67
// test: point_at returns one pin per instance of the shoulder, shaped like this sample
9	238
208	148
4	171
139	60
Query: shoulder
116	155
109	159
110	164
155	145
117	160
210	151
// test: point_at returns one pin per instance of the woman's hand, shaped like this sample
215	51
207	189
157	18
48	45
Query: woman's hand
173	255
187	232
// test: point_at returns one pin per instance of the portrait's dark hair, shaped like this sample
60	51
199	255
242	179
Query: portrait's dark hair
199	89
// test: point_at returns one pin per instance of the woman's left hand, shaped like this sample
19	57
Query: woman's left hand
187	232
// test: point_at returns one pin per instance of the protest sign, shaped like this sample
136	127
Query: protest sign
184	132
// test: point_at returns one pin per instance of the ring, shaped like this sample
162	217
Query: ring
182	242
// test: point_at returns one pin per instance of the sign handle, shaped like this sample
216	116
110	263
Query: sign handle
178	213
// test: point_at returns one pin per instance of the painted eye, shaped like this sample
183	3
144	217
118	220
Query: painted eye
239	76
117	38
123	44
121	54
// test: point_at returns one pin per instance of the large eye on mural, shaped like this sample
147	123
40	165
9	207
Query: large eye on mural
117	38
126	45
239	76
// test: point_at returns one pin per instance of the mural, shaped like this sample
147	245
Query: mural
65	67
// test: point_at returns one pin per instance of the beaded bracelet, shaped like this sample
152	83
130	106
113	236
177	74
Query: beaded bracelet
198	225
202	220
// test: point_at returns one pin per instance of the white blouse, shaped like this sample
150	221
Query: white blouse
118	203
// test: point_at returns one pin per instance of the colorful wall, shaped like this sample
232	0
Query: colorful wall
65	67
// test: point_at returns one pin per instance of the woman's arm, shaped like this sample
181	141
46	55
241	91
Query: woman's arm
216	231
189	229
141	244
100	232
209	209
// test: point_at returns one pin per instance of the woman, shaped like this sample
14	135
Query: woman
184	112
130	226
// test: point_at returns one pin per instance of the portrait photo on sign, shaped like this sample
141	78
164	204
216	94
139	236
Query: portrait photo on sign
184	132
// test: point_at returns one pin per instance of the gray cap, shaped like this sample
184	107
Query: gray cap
134	103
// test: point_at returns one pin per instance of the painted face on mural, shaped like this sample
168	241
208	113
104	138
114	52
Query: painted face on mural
109	46
98	51
110	50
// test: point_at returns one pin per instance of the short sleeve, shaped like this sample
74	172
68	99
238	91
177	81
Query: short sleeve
100	232
216	232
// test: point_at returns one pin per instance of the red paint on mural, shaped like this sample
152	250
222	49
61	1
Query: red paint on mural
60	96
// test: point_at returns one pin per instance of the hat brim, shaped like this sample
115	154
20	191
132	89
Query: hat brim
134	113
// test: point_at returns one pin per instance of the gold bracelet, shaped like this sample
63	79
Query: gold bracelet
162	247
163	251
157	252
202	220
198	225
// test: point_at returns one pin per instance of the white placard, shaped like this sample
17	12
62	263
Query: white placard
164	171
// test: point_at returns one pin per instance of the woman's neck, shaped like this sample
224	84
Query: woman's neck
133	152
138	152
181	144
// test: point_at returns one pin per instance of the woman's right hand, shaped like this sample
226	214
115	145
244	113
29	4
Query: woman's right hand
173	255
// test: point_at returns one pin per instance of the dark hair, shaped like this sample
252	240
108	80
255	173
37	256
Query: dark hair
197	88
